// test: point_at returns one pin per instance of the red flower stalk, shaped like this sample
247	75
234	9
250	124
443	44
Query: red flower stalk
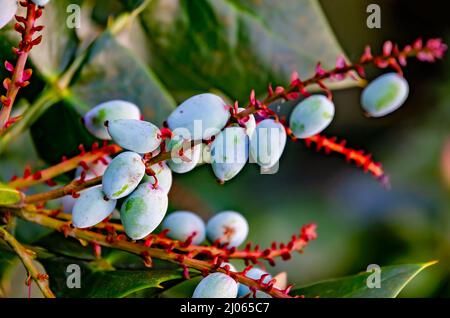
358	156
391	57
20	76
64	166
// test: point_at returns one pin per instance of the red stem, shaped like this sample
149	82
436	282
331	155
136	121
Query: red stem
18	80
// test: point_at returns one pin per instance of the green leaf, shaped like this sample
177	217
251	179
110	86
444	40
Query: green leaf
106	283
9	196
113	72
59	40
122	283
393	280
234	46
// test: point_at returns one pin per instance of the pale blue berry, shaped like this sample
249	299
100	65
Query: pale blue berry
311	116
206	112
8	9
143	211
255	273
95	119
123	175
216	285
41	2
267	142
190	156
229	153
91	207
183	224
385	94
68	202
227	227
135	135
163	174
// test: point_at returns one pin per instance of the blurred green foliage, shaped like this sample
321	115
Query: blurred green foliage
231	47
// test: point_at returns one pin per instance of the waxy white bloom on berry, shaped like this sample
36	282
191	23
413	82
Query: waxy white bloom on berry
216	285
123	175
163	174
203	115
267	142
229	153
8	9
135	135
41	2
143	211
184	157
183	224
385	94
95	119
227	227
91	207
311	116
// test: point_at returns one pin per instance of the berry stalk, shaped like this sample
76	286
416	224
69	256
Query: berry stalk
26	256
19	79
249	254
83	158
184	260
392	57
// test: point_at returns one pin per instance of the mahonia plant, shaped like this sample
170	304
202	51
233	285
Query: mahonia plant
119	196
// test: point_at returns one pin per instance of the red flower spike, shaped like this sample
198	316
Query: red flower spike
351	155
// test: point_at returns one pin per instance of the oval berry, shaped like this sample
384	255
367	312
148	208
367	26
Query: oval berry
255	273
143	211
216	285
267	142
95	119
229	153
7	12
41	2
385	94
208	112
227	227
163	174
185	224
135	135
123	175
68	202
311	116
91	207
184	157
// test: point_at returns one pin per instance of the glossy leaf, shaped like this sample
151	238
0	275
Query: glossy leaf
235	46
393	280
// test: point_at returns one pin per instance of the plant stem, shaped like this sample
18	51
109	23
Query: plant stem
16	79
78	185
42	103
296	244
64	166
26	256
141	249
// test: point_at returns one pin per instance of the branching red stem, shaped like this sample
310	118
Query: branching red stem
19	79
